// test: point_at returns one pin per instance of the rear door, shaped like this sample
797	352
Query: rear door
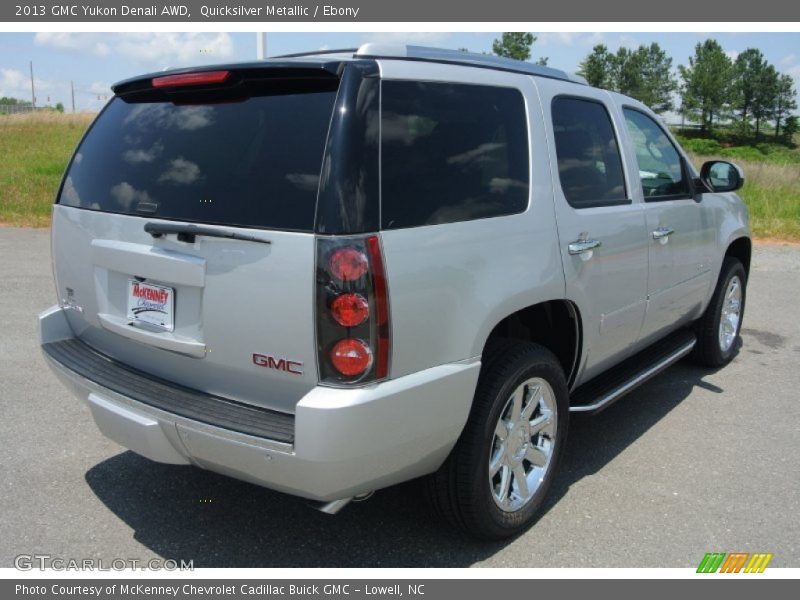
681	231
183	234
601	228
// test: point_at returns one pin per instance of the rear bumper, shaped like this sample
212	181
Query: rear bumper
345	441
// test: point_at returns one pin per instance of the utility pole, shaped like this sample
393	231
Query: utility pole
33	91
261	46
72	91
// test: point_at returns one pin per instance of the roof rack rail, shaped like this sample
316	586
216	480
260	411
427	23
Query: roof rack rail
318	52
443	55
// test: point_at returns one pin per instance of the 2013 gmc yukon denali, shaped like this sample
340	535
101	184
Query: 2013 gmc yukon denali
333	272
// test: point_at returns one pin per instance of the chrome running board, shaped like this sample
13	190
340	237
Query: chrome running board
597	395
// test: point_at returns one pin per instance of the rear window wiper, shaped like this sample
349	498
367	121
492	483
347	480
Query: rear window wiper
188	233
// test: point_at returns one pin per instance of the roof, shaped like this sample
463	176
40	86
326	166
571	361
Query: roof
330	60
439	55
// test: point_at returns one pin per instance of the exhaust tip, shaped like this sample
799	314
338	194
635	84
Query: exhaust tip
332	507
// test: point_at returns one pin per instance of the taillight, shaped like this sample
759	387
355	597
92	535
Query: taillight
185	79
348	264
352	310
351	357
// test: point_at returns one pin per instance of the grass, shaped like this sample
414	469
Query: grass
763	151
35	148
34	151
772	194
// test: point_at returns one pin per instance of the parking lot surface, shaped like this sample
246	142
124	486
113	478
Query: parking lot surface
694	461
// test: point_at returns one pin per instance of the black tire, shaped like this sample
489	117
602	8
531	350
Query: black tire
460	490
708	351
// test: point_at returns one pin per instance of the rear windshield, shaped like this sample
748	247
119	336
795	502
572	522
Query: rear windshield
252	163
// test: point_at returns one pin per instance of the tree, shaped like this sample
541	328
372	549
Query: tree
655	83
60	107
516	45
765	97
790	128
644	73
6	101
597	68
706	83
747	69
785	105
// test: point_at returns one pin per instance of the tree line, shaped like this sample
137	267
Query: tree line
746	92
713	88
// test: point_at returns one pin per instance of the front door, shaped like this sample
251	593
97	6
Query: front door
681	233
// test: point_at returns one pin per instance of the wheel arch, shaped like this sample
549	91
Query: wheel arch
741	248
554	324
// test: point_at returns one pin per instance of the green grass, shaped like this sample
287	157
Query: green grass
772	195
34	150
766	151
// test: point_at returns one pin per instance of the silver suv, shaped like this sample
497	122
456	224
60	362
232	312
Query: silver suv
334	272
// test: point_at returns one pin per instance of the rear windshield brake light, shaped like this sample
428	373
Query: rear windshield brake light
187	79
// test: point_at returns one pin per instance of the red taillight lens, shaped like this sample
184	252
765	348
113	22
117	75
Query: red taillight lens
352	307
351	357
184	79
348	264
381	307
350	310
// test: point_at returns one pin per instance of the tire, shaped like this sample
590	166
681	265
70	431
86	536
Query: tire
713	349
462	490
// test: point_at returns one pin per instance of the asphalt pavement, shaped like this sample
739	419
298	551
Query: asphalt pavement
694	461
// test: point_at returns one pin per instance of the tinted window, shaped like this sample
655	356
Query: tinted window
660	166
252	163
589	163
451	152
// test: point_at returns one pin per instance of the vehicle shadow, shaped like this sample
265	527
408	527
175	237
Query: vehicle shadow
183	512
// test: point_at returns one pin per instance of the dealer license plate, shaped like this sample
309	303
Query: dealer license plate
151	304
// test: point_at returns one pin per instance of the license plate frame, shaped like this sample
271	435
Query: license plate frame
151	304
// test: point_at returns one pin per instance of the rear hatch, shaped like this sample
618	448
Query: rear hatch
183	239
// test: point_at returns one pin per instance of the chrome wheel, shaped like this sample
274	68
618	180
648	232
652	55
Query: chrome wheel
523	444
731	314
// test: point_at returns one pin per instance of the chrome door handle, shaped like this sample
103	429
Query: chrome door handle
583	246
662	232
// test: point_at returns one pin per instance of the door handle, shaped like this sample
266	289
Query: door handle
662	233
583	246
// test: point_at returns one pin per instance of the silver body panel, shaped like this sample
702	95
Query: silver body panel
449	286
232	299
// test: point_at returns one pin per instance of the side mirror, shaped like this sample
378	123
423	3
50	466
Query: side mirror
721	176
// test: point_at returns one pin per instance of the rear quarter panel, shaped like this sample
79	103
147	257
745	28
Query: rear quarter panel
450	284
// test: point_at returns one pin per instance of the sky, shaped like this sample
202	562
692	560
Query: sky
93	61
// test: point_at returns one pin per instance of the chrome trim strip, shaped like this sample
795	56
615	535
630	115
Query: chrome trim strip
629	385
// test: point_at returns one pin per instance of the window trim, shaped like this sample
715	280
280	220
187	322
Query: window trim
528	146
684	170
627	199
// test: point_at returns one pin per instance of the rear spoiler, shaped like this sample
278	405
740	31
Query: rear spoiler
163	85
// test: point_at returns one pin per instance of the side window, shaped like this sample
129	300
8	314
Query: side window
589	163
451	152
660	166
